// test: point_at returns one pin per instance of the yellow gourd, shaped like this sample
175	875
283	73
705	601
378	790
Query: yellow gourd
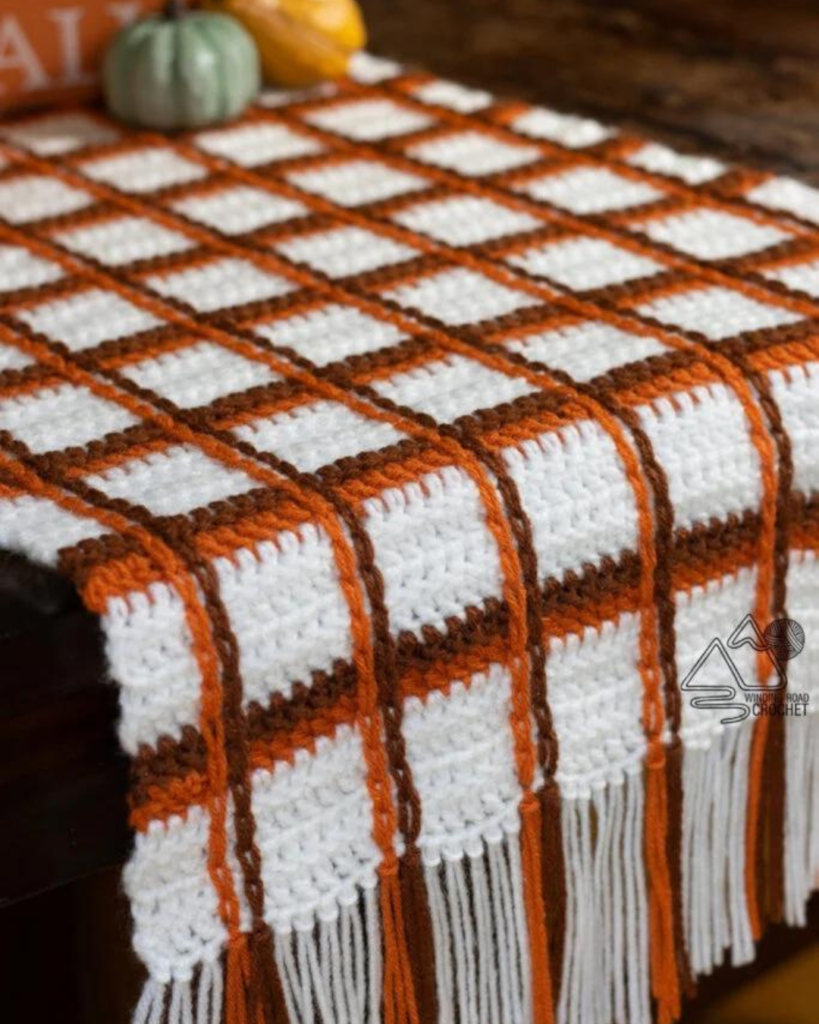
300	42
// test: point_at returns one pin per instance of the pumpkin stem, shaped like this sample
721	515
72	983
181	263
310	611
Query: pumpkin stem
174	9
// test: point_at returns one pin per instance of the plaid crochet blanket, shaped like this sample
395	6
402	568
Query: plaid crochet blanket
444	474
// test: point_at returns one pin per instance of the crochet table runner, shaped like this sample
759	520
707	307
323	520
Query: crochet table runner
444	474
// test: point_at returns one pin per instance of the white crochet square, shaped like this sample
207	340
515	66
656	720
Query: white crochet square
261	142
585	350
355	182
475	794
789	195
237	209
314	825
116	241
143	170
704	614
565	129
61	416
575	491
198	374
584	263
173	901
586	190
596	698
368	120
796	391
287	609
344	251
452	387
441	93
84	320
176	480
459	296
21	269
659	159
59	133
330	333
702	440
39	529
314	435
716	312
712	234
800	277
150	655
34	196
465	220
473	153
220	284
434	549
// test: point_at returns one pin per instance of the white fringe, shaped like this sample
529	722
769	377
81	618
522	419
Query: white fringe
174	1003
479	929
332	971
715	794
801	812
605	963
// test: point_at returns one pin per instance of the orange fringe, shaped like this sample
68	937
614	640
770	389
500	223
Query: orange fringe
665	982
755	772
399	992
542	1001
237	982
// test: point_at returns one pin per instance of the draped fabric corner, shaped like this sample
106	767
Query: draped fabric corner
443	471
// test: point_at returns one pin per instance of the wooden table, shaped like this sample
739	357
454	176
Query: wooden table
738	79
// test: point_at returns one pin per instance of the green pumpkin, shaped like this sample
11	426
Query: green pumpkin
181	69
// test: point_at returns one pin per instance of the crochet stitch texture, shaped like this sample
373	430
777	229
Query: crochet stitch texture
412	446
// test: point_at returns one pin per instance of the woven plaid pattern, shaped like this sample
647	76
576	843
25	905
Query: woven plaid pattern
411	445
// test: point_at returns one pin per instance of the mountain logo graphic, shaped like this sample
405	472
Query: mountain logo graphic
782	640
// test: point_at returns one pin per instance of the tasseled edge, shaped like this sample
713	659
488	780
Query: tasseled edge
574	913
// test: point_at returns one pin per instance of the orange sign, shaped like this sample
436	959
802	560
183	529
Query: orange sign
51	50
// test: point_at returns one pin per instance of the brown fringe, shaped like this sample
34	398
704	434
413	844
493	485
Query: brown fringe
770	879
419	934
554	879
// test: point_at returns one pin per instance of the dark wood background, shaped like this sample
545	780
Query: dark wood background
737	79
733	77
